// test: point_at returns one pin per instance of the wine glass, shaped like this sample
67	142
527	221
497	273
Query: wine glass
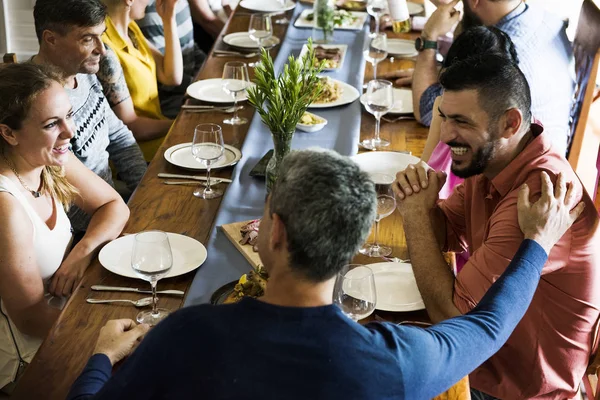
207	148
379	99
259	30
386	204
151	259
375	50
354	291
283	20
235	83
376	8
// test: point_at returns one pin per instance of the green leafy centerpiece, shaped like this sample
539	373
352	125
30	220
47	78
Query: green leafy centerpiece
282	100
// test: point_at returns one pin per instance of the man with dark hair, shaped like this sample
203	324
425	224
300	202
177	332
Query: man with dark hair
542	45
292	343
487	124
69	34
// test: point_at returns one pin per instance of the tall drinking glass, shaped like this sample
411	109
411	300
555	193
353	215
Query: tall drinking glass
354	291
386	204
235	83
207	148
379	100
375	50
260	29
151	260
376	9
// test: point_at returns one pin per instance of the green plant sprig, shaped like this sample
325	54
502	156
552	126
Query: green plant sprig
282	100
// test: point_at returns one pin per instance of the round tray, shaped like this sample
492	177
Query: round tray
219	296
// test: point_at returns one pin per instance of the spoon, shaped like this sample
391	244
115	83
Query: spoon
146	301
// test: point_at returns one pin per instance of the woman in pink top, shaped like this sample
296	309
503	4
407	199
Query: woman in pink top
473	41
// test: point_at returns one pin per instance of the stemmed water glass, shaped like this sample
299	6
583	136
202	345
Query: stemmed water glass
354	291
375	50
376	9
379	99
207	148
386	204
151	260
259	30
235	83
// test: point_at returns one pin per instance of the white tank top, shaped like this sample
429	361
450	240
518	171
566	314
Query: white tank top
49	247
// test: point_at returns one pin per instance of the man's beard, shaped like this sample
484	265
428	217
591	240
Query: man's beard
470	19
480	160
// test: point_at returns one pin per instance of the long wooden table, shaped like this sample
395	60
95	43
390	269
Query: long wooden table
71	340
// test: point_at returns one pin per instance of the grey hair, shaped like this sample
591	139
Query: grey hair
327	205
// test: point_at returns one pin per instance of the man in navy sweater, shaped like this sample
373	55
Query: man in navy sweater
293	343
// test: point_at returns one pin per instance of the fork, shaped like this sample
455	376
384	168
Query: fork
400	118
146	301
234	54
396	259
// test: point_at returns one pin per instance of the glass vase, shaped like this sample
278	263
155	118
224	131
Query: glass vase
282	143
323	12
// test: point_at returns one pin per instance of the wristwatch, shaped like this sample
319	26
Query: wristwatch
422	44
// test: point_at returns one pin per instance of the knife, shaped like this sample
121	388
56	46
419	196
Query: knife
127	289
195	177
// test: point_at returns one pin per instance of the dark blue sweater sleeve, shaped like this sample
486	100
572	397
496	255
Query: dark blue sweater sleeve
432	360
92	378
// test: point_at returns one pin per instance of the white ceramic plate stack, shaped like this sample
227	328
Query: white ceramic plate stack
401	48
267	6
188	254
181	156
403	103
242	40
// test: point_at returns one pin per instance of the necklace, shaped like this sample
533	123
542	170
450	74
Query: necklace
34	193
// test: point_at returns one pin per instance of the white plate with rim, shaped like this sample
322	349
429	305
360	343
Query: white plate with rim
361	18
242	40
343	49
181	156
349	95
188	254
267	6
414	8
211	90
384	162
401	48
402	101
396	287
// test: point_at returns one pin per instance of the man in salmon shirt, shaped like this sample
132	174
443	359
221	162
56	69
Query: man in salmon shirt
485	111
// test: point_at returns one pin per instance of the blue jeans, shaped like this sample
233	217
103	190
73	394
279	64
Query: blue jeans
477	395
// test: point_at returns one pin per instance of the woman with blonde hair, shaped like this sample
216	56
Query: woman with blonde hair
142	63
39	179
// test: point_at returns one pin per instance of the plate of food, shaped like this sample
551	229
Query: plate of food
252	284
403	103
352	5
310	122
242	40
188	254
335	93
332	55
181	156
342	19
267	6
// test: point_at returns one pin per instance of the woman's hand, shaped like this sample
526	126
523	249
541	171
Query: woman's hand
69	273
166	9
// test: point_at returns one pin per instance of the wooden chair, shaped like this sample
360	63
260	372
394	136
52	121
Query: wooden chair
10	58
590	380
585	127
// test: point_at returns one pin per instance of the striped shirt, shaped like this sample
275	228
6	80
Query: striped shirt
193	58
545	57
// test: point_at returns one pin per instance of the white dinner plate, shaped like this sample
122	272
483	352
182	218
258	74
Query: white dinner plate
181	156
343	48
396	287
188	254
242	40
267	6
349	94
401	48
414	8
402	101
361	18
384	162
211	90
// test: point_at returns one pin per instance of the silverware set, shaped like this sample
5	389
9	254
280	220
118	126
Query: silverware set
194	177
228	53
202	109
143	302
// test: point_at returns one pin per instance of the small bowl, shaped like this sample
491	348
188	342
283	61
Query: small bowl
312	127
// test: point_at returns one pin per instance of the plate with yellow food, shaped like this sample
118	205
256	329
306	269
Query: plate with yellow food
310	122
331	55
335	93
352	5
252	284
